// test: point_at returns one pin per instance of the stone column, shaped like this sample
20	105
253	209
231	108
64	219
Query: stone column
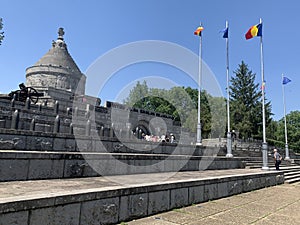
15	120
88	128
56	107
27	103
56	124
32	125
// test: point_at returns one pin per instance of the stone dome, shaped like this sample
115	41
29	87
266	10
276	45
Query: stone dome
56	69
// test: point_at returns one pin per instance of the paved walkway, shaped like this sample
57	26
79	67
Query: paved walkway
269	206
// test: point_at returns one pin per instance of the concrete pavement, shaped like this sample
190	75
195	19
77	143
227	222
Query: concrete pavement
269	206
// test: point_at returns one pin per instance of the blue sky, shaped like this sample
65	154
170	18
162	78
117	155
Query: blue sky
94	27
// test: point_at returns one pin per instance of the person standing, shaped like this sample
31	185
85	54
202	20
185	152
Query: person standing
277	159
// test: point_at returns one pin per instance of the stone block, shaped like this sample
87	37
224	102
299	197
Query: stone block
66	214
43	127
59	144
193	164
89	171
74	168
108	166
196	194
133	206
12	169
12	142
103	211
210	191
2	123
74	198
271	181
157	166
247	184
222	189
212	164
235	187
169	167
180	165
279	179
20	204
15	218
84	145
206	163
224	164
101	146
158	201
263	181
39	143
118	147
256	183
70	145
45	169
179	197
166	149
131	168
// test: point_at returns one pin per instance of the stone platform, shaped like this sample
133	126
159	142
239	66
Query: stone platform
112	199
19	165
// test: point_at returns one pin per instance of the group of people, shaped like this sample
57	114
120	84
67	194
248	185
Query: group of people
163	138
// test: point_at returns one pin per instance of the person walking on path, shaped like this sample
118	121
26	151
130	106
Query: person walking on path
277	158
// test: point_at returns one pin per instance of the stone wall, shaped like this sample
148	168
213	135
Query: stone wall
120	203
42	117
32	165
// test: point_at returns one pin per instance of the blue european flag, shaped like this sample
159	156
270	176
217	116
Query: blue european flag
285	80
225	32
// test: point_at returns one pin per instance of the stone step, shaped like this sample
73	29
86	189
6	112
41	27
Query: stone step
293	180
16	165
271	166
269	163
113	199
291	168
291	173
289	177
257	163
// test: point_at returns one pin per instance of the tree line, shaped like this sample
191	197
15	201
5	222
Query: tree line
245	109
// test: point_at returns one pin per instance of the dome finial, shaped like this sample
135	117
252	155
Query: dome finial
61	33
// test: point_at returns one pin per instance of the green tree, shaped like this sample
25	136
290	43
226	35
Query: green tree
182	104
192	115
293	130
1	33
137	96
218	116
245	104
272	130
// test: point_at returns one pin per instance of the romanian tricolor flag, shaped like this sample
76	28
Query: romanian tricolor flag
198	31
263	85
255	30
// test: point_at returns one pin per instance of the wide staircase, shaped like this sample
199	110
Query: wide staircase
43	183
253	160
290	168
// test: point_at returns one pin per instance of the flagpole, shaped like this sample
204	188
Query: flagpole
287	157
229	144
199	139
264	144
